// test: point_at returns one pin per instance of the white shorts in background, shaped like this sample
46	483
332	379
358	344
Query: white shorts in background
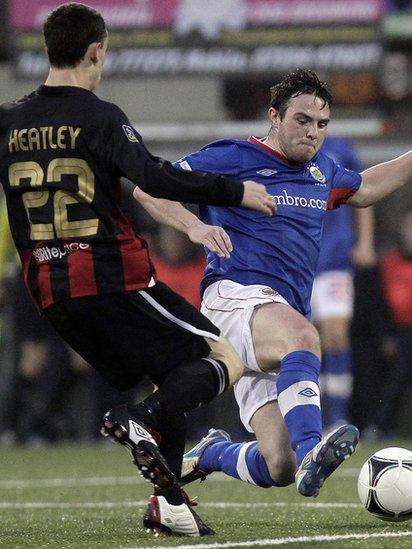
230	306
332	295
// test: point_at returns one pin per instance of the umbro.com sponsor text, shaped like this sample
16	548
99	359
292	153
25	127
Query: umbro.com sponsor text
286	199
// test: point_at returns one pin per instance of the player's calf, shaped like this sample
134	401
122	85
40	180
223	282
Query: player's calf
281	467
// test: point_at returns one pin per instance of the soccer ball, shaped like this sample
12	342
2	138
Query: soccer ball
385	484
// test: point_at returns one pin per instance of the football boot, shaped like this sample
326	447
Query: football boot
125	428
163	518
190	465
324	458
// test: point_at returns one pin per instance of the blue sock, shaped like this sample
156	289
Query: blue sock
298	398
239	460
336	384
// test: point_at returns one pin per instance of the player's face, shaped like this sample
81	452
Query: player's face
302	131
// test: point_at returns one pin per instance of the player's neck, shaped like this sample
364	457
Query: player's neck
269	141
69	77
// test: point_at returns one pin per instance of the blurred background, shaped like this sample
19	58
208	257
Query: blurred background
186	73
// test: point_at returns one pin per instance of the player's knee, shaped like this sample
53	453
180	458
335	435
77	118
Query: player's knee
282	468
224	351
309	339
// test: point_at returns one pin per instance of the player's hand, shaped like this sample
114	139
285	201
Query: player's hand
256	198
214	238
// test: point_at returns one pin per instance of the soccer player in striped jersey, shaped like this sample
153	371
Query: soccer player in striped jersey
258	282
62	153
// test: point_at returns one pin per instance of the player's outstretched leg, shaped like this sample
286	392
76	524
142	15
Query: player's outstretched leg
190	466
216	452
169	511
320	462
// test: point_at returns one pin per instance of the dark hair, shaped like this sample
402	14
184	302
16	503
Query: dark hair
68	32
298	83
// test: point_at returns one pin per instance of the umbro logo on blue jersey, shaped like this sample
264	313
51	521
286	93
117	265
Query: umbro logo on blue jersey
267	172
308	392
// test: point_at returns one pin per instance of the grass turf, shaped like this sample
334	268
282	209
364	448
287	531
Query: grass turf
73	496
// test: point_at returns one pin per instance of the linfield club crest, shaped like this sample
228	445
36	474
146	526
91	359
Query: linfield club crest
317	174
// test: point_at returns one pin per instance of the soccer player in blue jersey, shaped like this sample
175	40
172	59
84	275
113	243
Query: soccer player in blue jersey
347	242
258	284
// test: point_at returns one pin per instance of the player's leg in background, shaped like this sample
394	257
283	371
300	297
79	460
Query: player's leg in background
336	378
332	307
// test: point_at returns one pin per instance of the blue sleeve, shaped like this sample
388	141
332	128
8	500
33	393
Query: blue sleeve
225	159
345	183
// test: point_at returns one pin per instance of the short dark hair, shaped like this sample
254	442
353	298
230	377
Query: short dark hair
298	83
68	32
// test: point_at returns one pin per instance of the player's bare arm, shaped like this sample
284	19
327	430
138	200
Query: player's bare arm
213	237
168	212
382	179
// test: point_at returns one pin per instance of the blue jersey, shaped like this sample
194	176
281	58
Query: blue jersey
338	237
280	251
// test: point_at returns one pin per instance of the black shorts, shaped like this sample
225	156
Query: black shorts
128	335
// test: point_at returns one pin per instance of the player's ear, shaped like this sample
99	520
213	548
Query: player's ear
93	52
274	117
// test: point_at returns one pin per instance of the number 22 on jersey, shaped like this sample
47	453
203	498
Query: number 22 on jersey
59	226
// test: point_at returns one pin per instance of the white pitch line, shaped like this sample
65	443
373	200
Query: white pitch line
143	503
71	505
67	482
70	482
282	541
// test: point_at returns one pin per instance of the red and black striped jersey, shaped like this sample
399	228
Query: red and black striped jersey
62	153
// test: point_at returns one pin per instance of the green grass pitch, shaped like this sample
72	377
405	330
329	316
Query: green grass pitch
91	496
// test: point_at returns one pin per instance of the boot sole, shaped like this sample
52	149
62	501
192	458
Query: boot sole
342	445
146	455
